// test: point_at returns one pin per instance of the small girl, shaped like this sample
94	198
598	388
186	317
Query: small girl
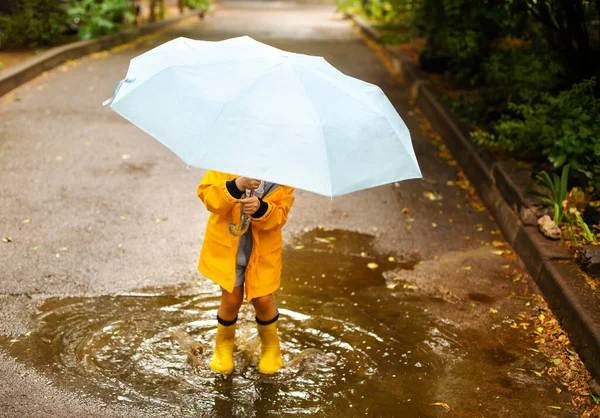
252	260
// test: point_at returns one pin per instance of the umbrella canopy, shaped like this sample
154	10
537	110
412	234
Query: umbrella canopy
240	106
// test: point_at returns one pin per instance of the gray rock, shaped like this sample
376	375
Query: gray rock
549	228
528	215
589	258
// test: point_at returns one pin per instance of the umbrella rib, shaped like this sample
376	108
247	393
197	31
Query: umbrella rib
320	128
349	93
233	99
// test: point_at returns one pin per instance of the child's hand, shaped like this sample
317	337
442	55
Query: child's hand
251	205
244	183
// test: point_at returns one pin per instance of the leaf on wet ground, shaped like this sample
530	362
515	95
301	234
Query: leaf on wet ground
479	227
493	311
330	238
299	247
317	409
432	196
372	265
46	340
442	404
405	210
554	407
410	220
466	268
391	285
99	55
427	180
497	243
409	286
321	240
498	252
434	225
7	239
123	217
126	156
556	361
26	221
391	259
59	158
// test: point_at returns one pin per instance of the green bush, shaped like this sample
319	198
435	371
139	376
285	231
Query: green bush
521	74
36	23
96	19
197	4
464	30
565	129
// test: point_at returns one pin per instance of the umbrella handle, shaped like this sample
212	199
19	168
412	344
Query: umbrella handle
239	230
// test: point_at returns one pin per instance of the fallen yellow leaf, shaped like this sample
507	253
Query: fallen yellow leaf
391	285
123	217
467	268
26	221
372	266
432	196
404	210
442	404
497	243
299	247
494	311
498	252
391	259
6	239
554	407
317	409
334	327
433	224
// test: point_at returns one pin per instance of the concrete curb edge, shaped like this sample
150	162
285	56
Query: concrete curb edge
13	77
549	263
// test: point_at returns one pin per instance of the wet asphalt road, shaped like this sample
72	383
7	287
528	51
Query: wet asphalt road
94	207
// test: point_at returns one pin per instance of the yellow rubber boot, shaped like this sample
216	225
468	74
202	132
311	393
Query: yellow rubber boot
270	354
222	361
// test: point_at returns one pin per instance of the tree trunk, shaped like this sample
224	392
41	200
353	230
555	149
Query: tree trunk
152	10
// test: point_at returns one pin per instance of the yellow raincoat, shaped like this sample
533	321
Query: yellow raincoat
219	252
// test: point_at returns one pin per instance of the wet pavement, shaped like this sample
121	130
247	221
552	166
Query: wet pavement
397	301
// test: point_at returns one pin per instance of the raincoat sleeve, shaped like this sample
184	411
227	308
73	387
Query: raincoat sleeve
214	194
277	213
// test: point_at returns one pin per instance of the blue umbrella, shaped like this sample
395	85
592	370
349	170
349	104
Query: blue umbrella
301	122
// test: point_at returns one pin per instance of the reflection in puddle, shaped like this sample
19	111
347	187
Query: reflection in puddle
352	346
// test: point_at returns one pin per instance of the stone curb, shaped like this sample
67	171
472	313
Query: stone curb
504	193
22	73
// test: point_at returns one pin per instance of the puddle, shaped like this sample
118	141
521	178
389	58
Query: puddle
353	346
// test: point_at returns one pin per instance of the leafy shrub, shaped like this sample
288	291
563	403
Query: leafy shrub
96	19
197	4
565	129
36	23
521	74
464	30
